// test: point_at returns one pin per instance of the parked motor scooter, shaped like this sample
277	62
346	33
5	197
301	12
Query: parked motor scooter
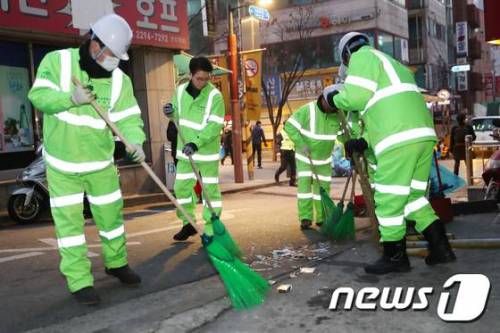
491	174
491	177
31	196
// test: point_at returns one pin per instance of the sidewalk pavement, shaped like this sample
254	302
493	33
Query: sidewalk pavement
306	307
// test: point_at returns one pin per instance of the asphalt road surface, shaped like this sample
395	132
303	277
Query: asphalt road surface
34	293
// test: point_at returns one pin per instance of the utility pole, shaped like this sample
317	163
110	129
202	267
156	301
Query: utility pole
232	47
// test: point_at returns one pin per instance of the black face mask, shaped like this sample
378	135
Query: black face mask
89	65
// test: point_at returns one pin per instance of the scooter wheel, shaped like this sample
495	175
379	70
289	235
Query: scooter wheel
21	214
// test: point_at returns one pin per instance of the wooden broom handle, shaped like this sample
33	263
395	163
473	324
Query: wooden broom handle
365	184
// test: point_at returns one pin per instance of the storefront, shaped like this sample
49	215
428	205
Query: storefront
31	29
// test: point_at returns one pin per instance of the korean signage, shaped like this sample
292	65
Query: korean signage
273	86
161	23
307	88
253	73
488	86
462	81
259	13
462	38
319	17
460	68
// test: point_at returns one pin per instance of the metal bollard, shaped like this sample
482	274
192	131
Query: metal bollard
468	159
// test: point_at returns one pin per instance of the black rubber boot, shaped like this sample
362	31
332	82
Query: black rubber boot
277	178
293	182
394	259
87	296
305	224
186	232
440	251
125	274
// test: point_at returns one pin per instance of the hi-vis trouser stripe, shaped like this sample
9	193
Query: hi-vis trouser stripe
400	186
308	197
184	184
106	202
71	167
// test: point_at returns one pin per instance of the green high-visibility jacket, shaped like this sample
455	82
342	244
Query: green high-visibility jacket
309	126
286	143
392	108
200	120
76	139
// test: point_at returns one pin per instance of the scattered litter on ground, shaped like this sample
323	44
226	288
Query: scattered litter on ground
288	255
307	270
284	288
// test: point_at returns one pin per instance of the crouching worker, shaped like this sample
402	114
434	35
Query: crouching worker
313	129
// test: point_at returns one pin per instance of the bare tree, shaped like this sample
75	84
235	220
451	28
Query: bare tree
289	62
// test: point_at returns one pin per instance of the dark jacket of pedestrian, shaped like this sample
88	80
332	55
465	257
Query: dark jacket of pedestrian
172	137
258	134
457	139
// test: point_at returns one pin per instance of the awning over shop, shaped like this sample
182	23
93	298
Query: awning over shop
181	62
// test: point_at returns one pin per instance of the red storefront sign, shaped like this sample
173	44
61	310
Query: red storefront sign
161	23
491	22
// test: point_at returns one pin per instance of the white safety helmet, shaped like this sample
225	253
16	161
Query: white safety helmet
115	33
348	42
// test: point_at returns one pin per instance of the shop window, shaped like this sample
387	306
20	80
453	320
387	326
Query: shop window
16	115
386	43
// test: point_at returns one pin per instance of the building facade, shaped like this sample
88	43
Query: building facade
476	87
28	31
428	42
313	28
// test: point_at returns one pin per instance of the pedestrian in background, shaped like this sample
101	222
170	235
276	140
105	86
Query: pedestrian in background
227	144
287	156
457	140
257	139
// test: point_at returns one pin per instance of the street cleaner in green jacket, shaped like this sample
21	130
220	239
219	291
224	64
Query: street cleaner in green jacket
400	130
78	149
313	129
198	108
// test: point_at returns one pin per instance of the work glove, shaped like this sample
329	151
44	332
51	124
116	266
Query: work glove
82	95
189	149
306	151
137	156
168	110
355	145
331	91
